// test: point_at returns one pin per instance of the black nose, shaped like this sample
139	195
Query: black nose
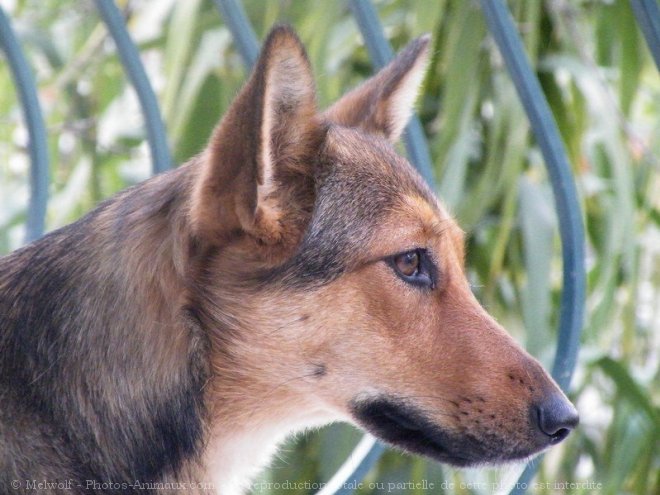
556	417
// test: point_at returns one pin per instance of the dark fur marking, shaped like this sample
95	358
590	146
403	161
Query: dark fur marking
320	370
406	427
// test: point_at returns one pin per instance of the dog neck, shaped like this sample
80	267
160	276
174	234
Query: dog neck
246	439
250	408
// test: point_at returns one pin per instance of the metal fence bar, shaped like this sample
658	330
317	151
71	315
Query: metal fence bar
568	209
355	468
130	59
381	53
241	29
38	144
647	14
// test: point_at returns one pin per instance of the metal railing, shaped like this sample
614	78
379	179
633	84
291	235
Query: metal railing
27	92
130	59
505	34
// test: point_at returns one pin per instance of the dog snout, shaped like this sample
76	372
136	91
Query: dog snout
555	416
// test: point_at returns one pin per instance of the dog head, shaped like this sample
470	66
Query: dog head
332	281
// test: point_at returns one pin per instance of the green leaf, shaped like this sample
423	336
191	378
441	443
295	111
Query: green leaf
630	389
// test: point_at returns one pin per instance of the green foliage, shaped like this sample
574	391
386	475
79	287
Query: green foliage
604	92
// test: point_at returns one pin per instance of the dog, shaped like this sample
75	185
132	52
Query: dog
297	272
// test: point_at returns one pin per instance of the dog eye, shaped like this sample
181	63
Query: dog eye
414	267
407	263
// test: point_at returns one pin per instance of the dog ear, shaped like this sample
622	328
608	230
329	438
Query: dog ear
383	104
262	143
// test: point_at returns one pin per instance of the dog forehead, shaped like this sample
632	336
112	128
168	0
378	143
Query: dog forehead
370	164
429	212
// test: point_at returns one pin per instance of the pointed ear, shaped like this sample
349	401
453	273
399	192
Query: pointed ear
383	104
262	142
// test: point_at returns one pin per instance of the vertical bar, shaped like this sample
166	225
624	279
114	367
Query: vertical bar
241	29
381	53
38	144
130	59
647	14
569	214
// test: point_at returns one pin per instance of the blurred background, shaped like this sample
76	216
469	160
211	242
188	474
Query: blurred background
603	89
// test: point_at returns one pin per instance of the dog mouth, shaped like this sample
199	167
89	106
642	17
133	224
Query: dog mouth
406	427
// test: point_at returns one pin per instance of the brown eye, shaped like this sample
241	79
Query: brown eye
407	263
414	267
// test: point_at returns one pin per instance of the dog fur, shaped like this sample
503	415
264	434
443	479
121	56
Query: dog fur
184	327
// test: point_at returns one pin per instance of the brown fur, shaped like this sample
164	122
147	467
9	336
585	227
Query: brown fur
186	326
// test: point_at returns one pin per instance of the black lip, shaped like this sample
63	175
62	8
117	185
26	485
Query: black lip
407	428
